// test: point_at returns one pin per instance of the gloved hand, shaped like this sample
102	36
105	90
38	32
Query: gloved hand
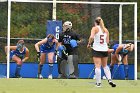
38	54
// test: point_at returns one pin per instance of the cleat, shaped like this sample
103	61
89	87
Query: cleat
40	76
112	84
59	76
50	76
126	78
18	76
72	76
98	85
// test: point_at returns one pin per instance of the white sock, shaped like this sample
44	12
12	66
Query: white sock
98	75
107	72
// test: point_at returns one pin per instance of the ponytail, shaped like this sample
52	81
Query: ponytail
100	22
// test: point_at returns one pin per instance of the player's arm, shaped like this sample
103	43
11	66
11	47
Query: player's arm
131	47
57	43
26	55
91	38
110	50
39	43
120	47
78	38
11	48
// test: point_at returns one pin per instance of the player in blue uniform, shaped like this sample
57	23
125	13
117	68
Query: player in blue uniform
42	47
122	50
19	54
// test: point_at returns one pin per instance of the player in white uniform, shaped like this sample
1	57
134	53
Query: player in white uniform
100	36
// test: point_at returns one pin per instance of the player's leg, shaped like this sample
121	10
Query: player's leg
107	71
59	61
50	60
126	67
113	61
75	63
64	69
18	66
97	62
71	67
40	65
109	52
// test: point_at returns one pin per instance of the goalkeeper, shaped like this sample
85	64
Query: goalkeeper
69	39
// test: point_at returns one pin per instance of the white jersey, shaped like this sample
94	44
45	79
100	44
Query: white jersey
100	43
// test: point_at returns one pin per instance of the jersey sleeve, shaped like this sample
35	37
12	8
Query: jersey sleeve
76	36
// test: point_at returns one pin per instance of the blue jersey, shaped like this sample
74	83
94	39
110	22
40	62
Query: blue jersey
18	53
123	51
46	47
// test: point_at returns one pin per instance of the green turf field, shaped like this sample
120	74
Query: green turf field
25	85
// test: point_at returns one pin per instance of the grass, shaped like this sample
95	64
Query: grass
138	75
28	85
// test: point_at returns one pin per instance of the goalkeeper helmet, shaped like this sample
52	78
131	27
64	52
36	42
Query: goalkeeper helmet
67	26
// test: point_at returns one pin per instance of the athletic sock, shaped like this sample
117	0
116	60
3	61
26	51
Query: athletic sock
98	75
126	71
18	68
50	69
40	68
107	72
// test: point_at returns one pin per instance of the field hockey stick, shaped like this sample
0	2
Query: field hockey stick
91	73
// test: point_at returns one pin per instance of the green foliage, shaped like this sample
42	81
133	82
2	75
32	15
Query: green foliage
3	19
28	20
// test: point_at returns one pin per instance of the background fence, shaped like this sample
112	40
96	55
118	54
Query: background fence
28	20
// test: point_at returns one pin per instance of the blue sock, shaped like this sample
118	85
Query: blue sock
18	68
40	68
126	71
50	69
111	69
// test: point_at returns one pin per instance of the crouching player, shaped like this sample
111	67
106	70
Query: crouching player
19	54
122	50
46	45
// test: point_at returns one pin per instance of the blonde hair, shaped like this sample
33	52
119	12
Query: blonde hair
99	21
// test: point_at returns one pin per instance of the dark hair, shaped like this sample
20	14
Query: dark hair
21	42
98	21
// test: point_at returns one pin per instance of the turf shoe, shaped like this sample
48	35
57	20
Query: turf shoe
40	76
98	85
111	83
50	76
